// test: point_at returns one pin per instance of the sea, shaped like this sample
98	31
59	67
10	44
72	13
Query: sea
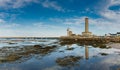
51	54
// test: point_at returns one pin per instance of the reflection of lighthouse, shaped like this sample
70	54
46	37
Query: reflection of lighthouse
86	52
86	33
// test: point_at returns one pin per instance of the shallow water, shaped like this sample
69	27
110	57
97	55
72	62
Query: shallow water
51	55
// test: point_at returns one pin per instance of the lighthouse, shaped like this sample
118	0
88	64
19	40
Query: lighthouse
86	33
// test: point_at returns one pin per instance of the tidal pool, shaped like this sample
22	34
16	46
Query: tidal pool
51	55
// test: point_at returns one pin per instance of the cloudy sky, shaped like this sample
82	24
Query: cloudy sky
52	17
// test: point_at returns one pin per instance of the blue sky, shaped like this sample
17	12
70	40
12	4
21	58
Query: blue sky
52	17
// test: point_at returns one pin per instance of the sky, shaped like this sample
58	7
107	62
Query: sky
41	18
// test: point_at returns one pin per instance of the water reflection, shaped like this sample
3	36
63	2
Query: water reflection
82	43
71	60
76	56
86	52
69	47
68	61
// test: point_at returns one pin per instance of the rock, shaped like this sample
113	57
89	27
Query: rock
103	54
13	57
37	46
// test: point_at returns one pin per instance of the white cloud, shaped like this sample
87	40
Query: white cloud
44	25
48	29
3	15
52	4
11	25
9	17
9	29
75	21
111	14
8	25
14	3
114	2
2	21
38	29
